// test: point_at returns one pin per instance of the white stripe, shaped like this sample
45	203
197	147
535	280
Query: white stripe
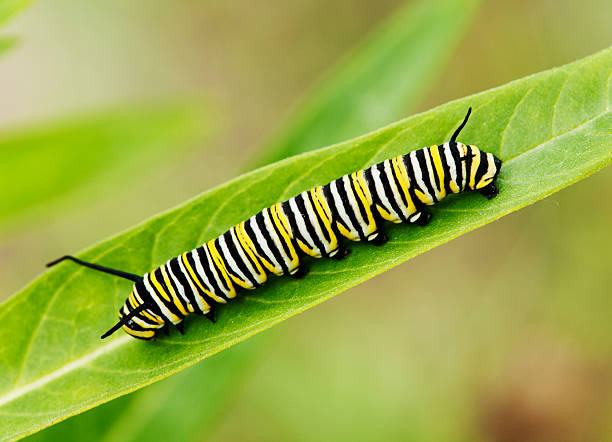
394	189
167	313
430	168
382	196
199	269
354	205
245	259
302	226
340	208
135	318
314	221
181	289
463	153
276	239
231	262
450	160
194	290
141	301
416	169
261	240
213	268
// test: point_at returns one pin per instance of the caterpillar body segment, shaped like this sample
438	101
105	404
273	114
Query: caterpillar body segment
313	223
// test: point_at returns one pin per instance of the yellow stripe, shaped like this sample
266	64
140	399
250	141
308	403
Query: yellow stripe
308	250
145	312
220	264
141	334
474	167
132	300
247	249
323	208
279	225
175	298
386	215
158	286
263	260
402	177
435	156
346	233
365	202
197	281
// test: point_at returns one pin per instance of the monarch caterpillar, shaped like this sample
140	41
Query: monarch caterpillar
275	240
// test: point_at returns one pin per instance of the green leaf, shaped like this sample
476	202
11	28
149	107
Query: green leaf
8	8
380	81
7	43
156	409
87	154
551	129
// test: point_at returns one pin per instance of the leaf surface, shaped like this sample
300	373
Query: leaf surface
550	129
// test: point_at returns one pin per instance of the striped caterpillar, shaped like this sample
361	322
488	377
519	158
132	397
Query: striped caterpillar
275	240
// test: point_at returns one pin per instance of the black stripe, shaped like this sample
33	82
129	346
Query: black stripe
445	168
458	164
231	246
254	264
183	281
212	285
258	250
468	166
291	216
397	184
414	185
301	205
420	154
436	180
387	189
261	223
347	206
169	304
482	168
138	315
147	298
220	267
281	238
182	300
360	205
326	234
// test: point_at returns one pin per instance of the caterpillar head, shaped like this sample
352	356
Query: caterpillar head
480	169
137	318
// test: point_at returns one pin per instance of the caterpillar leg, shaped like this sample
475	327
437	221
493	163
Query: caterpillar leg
378	238
180	327
211	316
299	272
340	253
490	191
420	218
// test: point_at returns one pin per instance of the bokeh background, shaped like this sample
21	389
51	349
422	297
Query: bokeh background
502	335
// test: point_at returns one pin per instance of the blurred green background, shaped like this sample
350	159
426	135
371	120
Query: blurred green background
501	335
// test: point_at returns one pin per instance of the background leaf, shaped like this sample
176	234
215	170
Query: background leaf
102	152
54	360
8	8
383	80
6	43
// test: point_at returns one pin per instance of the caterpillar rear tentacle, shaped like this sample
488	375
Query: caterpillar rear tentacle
313	223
